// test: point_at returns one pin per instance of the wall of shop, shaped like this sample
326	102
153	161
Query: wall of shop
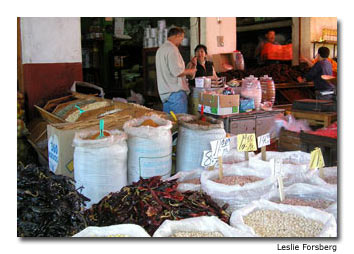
51	57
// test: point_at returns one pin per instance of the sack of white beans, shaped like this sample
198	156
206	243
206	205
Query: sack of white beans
239	185
188	180
122	230
204	226
304	194
263	218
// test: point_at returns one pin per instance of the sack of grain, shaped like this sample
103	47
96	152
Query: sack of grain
150	147
188	180
204	226
100	165
304	194
234	156
239	185
122	230
263	218
194	138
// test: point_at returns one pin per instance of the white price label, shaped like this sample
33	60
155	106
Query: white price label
263	140
208	159
219	147
276	166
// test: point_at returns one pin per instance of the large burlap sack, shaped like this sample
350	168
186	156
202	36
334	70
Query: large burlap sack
150	148
235	195
193	139
122	230
100	166
329	229
198	224
307	192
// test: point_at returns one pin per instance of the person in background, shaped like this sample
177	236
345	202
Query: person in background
199	62
320	68
171	73
269	38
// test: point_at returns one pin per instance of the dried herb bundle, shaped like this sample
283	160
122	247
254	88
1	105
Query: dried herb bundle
48	205
149	202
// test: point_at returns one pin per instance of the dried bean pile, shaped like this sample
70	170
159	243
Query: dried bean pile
149	202
48	205
192	181
315	203
330	179
281	73
197	234
237	180
273	223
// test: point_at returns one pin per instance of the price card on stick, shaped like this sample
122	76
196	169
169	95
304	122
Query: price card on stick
246	143
208	159
219	147
263	141
277	171
317	161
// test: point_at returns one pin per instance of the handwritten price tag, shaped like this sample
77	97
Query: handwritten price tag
316	160
263	140
246	142
208	159
219	147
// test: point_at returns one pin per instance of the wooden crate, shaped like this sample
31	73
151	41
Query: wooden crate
316	118
328	147
289	141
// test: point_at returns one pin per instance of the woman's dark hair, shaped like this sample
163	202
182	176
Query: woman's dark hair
323	52
201	46
175	31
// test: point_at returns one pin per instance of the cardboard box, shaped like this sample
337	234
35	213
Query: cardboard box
220	60
219	104
61	151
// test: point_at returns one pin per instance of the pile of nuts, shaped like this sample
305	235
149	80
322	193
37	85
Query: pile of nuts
192	181
197	234
330	179
239	180
315	203
274	223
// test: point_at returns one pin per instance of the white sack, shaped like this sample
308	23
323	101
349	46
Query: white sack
150	148
130	230
100	166
200	224
329	229
187	175
233	156
193	139
308	191
235	195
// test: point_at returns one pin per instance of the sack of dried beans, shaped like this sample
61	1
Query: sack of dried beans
263	218
194	136
150	147
204	226
123	230
238	186
100	165
302	194
329	178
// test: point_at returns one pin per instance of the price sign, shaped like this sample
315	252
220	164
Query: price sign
208	159
277	171
316	160
219	147
246	142
263	140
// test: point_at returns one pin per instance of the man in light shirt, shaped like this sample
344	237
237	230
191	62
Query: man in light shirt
171	73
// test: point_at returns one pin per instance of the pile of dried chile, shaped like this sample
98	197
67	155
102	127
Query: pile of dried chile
149	202
48	205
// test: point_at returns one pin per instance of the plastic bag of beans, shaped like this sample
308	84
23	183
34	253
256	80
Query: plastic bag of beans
303	194
204	226
263	218
188	180
122	230
238	186
149	147
233	156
